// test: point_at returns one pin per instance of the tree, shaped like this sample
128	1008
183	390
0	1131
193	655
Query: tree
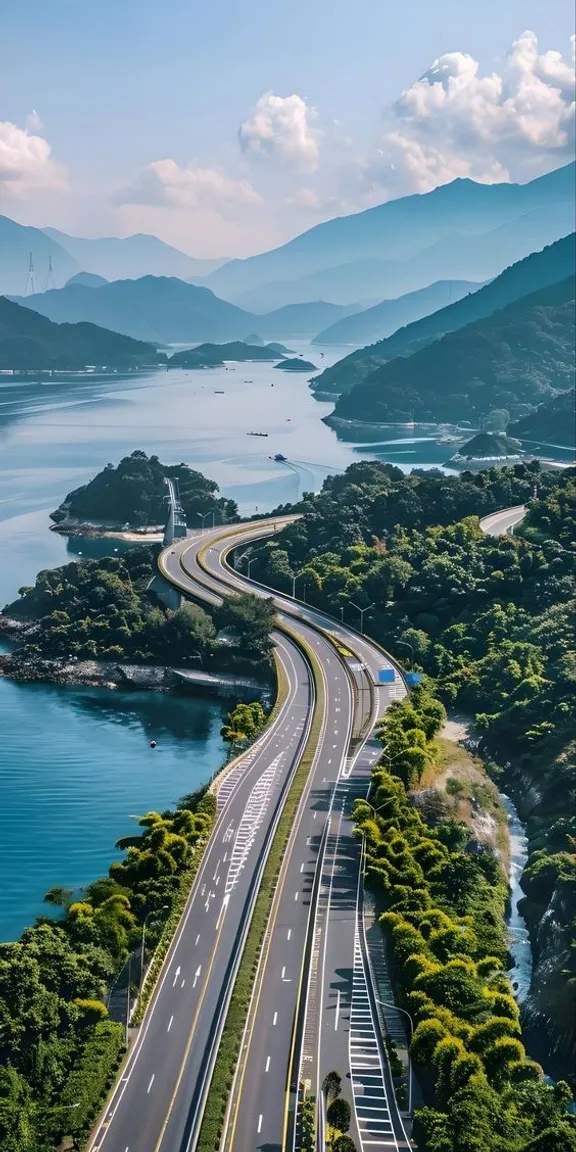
332	1085
343	1144
339	1114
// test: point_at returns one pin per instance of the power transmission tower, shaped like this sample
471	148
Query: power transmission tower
50	282
30	282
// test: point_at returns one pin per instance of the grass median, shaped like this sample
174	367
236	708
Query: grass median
226	1060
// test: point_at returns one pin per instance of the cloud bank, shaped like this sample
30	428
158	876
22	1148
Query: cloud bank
280	126
165	184
26	163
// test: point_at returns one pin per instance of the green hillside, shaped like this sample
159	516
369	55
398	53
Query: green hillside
31	342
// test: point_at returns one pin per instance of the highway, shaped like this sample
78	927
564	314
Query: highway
341	1030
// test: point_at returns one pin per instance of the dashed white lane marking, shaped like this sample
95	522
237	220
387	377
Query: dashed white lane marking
274	1019
267	1063
152	1078
169	1023
259	1129
289	933
197	939
296	895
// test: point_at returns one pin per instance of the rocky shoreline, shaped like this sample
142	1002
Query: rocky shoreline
151	534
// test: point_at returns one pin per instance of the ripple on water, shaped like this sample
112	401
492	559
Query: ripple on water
74	764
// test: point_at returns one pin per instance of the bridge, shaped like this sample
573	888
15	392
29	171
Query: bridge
176	527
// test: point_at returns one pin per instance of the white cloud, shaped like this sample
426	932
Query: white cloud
455	121
164	183
280	126
26	162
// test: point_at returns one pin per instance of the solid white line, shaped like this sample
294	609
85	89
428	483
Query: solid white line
151	1083
169	1023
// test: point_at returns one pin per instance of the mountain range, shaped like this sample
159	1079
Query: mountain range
508	362
31	342
536	271
461	230
380	321
166	310
110	257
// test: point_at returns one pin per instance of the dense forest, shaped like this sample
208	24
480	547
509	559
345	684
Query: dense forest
135	492
106	610
492	620
442	898
29	341
536	271
511	361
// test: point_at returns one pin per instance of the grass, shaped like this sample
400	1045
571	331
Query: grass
223	1075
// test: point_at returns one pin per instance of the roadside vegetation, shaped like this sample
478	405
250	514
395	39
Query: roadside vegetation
58	1048
443	896
491	620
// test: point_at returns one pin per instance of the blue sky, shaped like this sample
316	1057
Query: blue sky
139	105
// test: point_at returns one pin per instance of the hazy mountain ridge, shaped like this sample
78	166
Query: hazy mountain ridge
385	318
400	230
553	422
510	361
29	341
535	271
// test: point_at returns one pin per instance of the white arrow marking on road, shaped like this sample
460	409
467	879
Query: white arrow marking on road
196	975
176	975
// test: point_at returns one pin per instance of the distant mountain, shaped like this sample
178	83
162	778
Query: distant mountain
553	422
535	271
507	363
378	322
16	244
29	341
302	320
154	308
400	230
131	257
212	355
87	280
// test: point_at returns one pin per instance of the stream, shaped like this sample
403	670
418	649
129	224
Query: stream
521	972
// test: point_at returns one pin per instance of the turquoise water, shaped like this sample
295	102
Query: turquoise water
75	764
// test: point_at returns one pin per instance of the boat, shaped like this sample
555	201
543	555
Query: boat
218	391
256	433
279	458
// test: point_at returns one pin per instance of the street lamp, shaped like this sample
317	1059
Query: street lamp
204	515
405	644
253	558
362	612
385	1004
294	579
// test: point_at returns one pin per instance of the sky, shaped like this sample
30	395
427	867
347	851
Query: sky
227	127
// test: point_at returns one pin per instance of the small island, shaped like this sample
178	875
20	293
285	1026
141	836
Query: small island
215	355
296	364
132	497
484	448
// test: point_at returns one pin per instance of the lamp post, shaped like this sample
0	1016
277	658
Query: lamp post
405	644
204	515
385	1004
294	579
253	558
362	612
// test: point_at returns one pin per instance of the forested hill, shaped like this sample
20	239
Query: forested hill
536	271
135	493
553	422
510	362
29	341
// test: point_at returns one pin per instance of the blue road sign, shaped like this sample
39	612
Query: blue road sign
386	676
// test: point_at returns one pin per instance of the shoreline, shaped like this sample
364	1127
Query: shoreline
151	534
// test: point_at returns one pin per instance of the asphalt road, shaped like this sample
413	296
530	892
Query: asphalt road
154	1104
257	1117
498	523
